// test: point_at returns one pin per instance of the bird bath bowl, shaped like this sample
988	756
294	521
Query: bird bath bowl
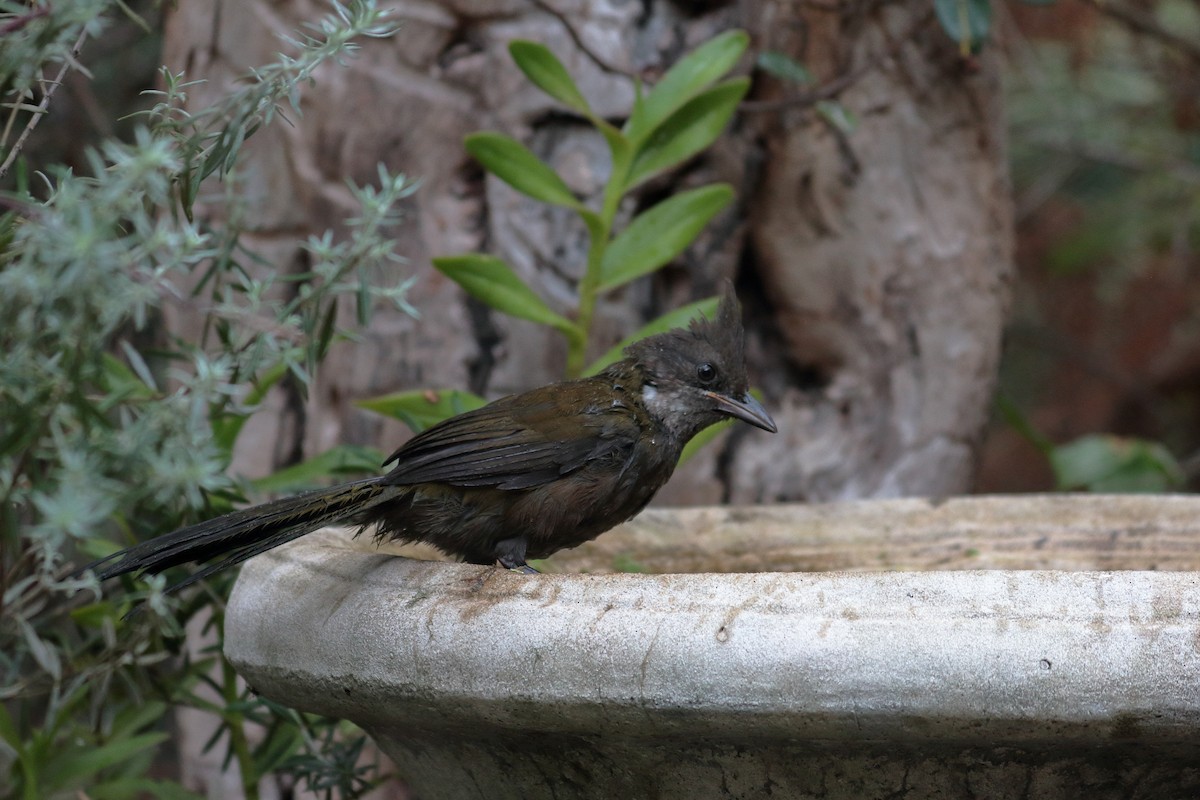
985	647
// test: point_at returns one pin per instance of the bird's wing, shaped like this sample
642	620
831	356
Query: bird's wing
515	444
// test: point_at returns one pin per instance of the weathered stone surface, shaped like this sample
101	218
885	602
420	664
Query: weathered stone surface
484	683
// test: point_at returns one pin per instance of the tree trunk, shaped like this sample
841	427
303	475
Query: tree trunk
873	263
886	254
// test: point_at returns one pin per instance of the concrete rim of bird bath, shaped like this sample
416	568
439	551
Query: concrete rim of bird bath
1010	640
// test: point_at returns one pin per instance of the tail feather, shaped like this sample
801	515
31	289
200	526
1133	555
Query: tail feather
242	534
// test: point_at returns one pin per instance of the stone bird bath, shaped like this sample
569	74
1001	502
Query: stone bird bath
981	647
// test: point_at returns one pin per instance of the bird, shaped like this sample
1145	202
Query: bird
520	478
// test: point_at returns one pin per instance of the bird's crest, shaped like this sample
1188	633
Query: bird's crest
719	339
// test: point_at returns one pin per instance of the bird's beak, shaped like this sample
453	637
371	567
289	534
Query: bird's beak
746	408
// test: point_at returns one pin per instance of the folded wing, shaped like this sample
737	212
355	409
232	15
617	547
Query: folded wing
515	446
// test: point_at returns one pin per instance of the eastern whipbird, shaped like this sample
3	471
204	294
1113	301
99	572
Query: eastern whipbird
522	477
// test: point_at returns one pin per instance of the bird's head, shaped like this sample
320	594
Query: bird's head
695	377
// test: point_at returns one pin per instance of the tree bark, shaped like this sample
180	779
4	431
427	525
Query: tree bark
873	263
886	254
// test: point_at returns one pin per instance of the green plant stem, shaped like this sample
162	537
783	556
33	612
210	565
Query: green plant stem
29	772
237	732
588	292
589	287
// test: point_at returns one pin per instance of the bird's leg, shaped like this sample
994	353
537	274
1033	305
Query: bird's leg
510	554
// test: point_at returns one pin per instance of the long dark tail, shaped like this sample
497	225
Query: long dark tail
242	534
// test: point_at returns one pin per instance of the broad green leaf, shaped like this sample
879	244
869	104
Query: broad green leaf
702	438
1105	463
337	461
660	233
783	66
547	73
965	21
690	75
513	163
424	407
490	280
689	130
677	318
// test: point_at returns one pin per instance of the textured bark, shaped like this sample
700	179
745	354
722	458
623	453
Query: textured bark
886	256
874	264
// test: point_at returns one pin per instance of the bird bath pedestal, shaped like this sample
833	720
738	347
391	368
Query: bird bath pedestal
983	647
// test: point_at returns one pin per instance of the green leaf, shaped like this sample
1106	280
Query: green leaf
547	73
135	718
280	743
690	75
1105	463
121	382
422	408
703	438
138	364
74	765
337	461
838	116
660	233
227	427
626	562
1011	413
783	66
93	615
965	21
125	788
490	280
689	130
8	730
513	163
677	318
44	653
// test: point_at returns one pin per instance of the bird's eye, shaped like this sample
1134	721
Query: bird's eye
706	373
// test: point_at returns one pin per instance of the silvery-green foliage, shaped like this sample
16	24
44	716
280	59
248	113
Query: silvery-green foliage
111	429
39	36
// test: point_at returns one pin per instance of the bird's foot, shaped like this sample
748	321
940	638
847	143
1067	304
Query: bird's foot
523	569
510	554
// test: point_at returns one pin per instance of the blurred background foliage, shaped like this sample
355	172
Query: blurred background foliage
1104	334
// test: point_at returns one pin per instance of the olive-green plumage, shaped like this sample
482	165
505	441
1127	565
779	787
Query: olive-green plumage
522	477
